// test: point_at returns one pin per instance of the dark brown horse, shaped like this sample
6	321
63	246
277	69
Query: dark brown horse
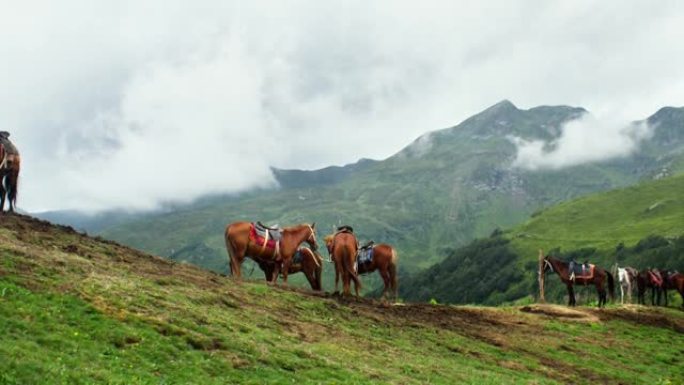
649	279
10	164
674	281
311	264
384	260
343	248
598	279
240	244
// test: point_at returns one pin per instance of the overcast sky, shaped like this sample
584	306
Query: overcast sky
128	104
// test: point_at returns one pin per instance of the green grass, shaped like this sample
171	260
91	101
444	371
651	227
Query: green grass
74	310
604	220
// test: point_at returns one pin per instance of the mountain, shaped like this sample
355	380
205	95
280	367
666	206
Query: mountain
639	226
440	192
78	310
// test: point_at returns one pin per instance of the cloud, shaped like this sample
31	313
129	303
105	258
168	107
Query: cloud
583	140
131	105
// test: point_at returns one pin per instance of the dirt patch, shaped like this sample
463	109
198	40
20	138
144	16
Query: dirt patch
643	316
555	311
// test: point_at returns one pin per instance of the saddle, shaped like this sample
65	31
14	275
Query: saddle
368	245
581	270
273	233
266	237
365	254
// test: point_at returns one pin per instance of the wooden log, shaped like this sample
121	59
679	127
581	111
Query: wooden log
540	274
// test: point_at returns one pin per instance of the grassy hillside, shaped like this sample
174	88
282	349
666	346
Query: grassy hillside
604	220
76	310
593	228
445	189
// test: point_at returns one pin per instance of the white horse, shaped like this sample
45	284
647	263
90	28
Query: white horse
627	278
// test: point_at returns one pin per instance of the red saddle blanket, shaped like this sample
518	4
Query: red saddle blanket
583	273
655	278
259	240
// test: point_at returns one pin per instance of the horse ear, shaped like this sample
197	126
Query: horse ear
313	226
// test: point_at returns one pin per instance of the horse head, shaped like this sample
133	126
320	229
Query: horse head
311	240
548	265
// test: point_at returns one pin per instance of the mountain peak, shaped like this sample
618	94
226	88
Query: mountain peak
504	105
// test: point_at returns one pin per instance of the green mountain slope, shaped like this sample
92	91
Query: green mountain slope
76	310
445	189
641	226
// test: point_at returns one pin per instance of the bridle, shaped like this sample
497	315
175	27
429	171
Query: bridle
549	264
314	247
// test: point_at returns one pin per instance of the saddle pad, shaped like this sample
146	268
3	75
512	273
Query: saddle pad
581	271
259	240
655	278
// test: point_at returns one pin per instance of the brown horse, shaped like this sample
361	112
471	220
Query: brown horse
311	264
343	248
384	260
649	279
10	164
598	279
674	281
240	245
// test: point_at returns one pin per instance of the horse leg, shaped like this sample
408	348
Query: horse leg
571	295
338	272
385	280
346	286
3	193
286	269
12	188
268	271
276	272
622	293
311	278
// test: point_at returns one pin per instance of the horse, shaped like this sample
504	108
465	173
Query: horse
598	279
627	278
311	264
240	245
10	164
343	248
384	260
675	281
649	278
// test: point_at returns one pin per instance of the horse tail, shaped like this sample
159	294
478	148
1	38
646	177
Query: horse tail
611	285
318	272
393	273
350	269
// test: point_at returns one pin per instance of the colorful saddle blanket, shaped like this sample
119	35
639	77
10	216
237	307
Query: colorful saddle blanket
260	234
655	278
581	270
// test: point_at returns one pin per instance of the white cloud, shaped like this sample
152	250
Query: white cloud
129	104
583	140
